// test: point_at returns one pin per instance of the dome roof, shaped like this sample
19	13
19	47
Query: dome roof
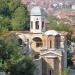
51	32
37	11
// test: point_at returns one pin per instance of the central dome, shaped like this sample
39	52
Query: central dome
37	11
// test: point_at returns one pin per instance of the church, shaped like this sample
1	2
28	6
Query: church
48	48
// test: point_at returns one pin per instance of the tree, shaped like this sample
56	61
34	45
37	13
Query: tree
69	59
20	19
20	15
24	67
13	15
11	59
3	7
9	50
59	27
13	5
4	24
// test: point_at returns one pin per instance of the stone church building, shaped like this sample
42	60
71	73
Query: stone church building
47	47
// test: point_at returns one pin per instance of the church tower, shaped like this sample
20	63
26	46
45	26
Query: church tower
37	20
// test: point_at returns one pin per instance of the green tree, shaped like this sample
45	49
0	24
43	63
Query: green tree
9	50
11	60
20	20
13	5
24	67
13	15
3	7
69	59
4	24
59	27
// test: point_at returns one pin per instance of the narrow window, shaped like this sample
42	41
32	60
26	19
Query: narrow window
37	24
50	73
50	44
57	42
31	24
42	24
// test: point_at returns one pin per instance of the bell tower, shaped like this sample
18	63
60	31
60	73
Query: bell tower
37	20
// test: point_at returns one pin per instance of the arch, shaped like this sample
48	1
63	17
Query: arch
39	42
20	41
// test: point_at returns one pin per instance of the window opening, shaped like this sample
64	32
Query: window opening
42	24
20	41
50	44
38	42
36	56
37	24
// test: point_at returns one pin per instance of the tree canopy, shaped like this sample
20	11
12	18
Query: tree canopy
13	15
9	50
59	27
24	67
11	59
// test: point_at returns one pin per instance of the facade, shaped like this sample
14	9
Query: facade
47	47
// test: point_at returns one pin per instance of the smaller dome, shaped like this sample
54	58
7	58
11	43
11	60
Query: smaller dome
51	32
37	11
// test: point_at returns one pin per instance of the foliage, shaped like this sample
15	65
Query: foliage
3	7
69	59
9	50
11	60
59	27
73	39
20	18
4	24
13	15
24	67
66	71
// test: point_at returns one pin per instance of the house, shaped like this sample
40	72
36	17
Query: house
46	47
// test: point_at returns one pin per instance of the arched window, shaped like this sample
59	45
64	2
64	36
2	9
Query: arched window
38	41
50	44
20	41
37	24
